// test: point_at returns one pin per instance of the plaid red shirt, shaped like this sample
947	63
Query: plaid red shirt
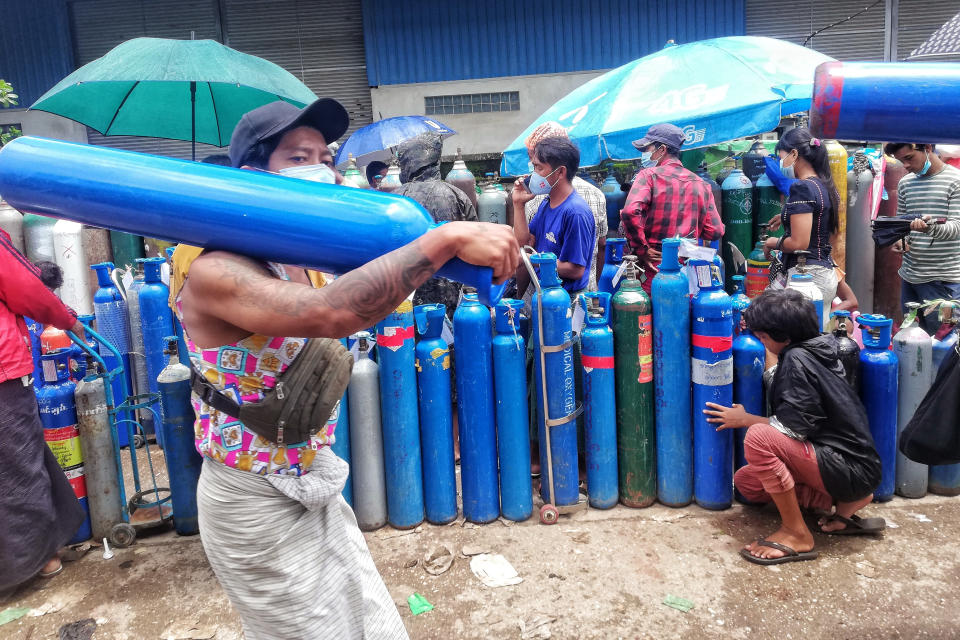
667	201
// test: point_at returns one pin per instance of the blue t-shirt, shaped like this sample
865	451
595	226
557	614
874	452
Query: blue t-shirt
569	231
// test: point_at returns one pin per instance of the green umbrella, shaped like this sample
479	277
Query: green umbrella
194	90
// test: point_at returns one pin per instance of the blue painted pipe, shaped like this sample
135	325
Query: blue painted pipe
944	478
749	356
613	258
513	430
110	310
879	370
180	451
398	406
670	295
599	392
436	415
475	411
156	325
891	101
561	399
712	376
258	214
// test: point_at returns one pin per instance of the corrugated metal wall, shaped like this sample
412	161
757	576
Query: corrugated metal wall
34	46
437	40
861	38
919	19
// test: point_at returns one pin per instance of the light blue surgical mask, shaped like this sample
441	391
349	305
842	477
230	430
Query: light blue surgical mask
926	166
312	173
646	159
539	185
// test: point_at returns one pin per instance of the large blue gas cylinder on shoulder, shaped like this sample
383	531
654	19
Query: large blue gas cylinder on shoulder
615	198
341	438
599	395
878	390
749	356
944	479
58	415
473	329
553	331
177	432
401	424
510	391
436	414
110	310
670	294
613	258
156	324
712	375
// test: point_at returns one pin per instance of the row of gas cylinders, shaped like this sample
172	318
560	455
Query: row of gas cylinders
85	430
74	248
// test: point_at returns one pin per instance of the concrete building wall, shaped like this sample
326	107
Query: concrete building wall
45	125
480	133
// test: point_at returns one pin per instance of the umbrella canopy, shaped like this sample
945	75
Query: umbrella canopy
944	44
193	90
889	230
374	141
715	90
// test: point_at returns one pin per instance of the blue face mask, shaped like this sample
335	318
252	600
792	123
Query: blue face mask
539	185
926	167
646	159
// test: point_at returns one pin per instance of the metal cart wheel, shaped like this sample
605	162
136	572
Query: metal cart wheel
549	514
122	535
139	441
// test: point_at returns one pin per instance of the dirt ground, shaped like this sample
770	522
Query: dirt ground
596	574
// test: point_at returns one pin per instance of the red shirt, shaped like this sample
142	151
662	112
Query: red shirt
667	201
22	294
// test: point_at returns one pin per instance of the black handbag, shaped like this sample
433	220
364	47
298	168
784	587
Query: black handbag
933	434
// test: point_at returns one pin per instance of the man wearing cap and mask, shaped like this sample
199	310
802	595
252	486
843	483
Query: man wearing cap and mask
666	200
279	536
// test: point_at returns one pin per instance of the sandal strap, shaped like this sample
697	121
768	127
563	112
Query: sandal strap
776	545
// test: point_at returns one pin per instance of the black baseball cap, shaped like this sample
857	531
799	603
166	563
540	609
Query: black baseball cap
668	134
326	115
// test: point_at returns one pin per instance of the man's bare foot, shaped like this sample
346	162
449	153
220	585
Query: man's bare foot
845	509
52	567
797	540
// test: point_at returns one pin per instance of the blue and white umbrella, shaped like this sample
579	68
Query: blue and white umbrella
715	90
375	141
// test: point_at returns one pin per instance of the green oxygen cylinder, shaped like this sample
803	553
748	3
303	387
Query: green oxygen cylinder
738	223
766	205
633	364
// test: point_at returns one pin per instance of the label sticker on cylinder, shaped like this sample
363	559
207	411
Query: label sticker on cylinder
393	337
645	348
712	375
78	481
65	445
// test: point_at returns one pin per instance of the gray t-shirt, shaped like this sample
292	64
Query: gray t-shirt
935	254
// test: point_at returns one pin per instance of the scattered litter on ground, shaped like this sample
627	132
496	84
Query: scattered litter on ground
920	517
107	551
537	628
473	550
582	538
494	570
13	613
75	552
193	631
865	569
678	603
45	608
411	563
418	604
438	560
79	630
468	525
670	516
892	525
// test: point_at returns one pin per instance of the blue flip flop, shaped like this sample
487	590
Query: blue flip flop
791	554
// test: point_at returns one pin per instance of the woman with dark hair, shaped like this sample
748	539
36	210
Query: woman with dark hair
815	450
809	216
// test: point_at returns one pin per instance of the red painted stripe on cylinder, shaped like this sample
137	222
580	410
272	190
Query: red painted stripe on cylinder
716	344
597	362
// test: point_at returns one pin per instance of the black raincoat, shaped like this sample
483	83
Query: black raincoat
810	396
419	160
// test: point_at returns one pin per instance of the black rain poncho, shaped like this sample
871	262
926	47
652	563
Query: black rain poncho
810	396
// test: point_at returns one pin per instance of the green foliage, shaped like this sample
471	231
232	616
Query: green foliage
8	133
7	97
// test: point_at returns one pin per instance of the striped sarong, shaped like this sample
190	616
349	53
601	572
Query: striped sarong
289	554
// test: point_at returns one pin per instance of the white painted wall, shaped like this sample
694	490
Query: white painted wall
45	125
480	133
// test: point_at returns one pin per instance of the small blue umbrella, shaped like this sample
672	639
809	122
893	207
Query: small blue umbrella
374	141
715	90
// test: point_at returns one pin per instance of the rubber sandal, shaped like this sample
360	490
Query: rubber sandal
49	574
856	526
791	554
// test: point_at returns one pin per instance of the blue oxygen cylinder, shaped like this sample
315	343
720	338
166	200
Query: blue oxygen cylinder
110	310
341	438
878	390
58	415
475	410
749	356
177	429
944	479
611	264
803	282
401	426
436	415
178	328
670	297
740	302
712	375
510	391
554	324
615	198
34	328
156	324
599	393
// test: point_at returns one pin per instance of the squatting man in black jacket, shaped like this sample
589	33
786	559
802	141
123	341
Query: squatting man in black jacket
815	450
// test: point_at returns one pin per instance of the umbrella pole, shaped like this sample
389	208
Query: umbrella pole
193	120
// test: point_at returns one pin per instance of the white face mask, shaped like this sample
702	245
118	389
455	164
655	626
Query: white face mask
785	166
311	173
